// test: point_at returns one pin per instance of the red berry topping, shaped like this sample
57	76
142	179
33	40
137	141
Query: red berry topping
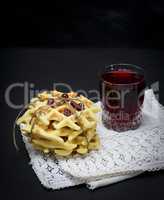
65	96
50	101
67	112
77	106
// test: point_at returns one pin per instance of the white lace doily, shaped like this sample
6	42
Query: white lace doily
120	154
48	171
125	152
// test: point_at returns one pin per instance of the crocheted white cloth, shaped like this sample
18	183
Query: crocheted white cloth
121	156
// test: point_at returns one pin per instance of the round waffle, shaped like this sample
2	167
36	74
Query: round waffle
61	123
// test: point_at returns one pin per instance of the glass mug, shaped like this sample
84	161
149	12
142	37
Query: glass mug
122	88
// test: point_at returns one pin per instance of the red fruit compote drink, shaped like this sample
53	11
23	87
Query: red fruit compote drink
122	94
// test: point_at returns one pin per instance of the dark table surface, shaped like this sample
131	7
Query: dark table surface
79	68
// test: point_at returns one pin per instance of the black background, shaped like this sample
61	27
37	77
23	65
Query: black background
71	43
128	23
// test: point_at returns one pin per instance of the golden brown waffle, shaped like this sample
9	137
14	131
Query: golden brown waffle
62	123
